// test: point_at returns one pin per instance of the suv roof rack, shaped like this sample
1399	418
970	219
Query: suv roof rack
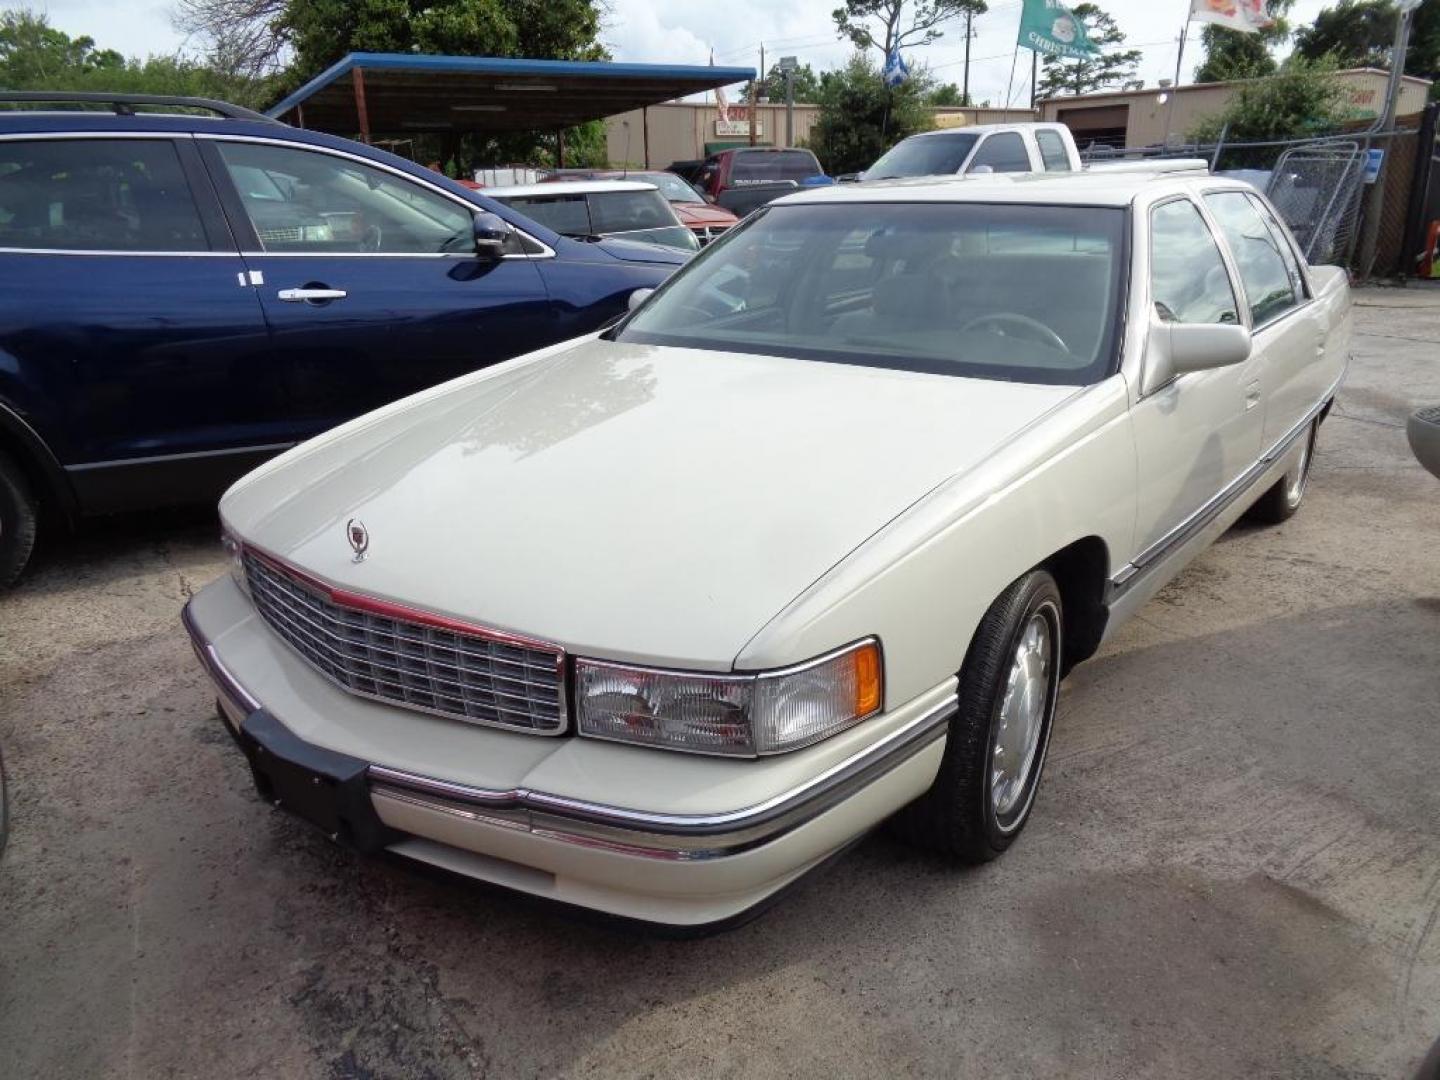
124	104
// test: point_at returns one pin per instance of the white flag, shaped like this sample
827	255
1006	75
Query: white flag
1247	16
721	105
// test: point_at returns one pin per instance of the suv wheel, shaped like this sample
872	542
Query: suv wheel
17	520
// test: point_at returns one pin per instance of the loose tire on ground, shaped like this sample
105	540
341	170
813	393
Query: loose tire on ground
972	811
1283	499
17	520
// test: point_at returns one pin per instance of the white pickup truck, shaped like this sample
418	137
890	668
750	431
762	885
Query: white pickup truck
982	148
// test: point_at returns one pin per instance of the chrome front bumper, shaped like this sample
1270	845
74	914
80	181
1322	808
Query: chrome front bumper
750	851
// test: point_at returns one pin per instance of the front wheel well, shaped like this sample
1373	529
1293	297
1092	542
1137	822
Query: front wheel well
1081	569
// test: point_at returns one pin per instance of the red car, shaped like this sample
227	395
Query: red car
702	219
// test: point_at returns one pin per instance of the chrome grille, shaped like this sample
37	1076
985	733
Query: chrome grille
468	676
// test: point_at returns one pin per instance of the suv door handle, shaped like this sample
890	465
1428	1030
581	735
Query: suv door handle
295	296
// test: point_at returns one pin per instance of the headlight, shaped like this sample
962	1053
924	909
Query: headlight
235	549
740	715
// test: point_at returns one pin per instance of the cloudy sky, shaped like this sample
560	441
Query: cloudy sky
687	31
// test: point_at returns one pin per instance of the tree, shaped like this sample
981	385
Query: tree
322	31
862	20
860	118
807	84
36	56
1360	33
1082	75
948	94
243	38
1233	54
1303	98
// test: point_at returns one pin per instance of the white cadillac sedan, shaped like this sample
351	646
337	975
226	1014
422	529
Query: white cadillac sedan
656	621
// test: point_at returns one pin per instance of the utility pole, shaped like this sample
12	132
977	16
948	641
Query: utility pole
1034	70
965	83
788	64
755	94
1375	197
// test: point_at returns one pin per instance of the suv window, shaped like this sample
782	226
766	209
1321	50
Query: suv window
566	214
311	202
1052	151
1004	152
96	195
766	166
1269	288
1188	279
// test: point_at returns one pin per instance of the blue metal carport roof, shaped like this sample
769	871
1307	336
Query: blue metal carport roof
400	93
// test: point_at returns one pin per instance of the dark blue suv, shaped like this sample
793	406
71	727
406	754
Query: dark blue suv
185	295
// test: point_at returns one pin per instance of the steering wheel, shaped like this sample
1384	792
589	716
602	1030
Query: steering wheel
370	240
1030	328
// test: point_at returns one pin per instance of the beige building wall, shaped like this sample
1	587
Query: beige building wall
679	131
1143	115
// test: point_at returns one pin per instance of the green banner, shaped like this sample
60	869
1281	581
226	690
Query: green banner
1049	27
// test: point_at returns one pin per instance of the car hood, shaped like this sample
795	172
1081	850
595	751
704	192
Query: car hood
629	501
638	251
699	213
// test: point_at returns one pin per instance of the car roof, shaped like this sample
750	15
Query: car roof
568	187
984	129
1083	188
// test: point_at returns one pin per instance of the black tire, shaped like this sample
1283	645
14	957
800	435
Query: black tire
958	815
17	521
1284	498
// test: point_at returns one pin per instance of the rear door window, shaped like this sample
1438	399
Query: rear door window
1270	289
769	166
1052	151
96	195
1004	152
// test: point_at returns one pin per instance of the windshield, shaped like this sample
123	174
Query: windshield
931	155
635	215
997	291
671	186
766	166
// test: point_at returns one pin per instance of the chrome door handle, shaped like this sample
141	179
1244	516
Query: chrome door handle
294	296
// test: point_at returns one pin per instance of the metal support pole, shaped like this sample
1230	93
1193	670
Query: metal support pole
560	148
1375	197
965	83
1175	86
645	131
789	107
358	79
1034	70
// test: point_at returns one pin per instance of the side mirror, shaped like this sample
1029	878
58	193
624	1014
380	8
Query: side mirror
638	297
492	234
1180	348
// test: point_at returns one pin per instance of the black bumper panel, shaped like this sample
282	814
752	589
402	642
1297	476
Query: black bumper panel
328	789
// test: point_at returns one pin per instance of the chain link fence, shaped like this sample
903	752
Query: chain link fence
1317	185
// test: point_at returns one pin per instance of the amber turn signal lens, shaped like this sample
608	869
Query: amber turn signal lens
867	678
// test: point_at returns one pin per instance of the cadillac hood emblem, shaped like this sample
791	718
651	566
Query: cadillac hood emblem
359	538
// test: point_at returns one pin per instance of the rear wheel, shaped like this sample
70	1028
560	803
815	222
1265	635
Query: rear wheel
17	520
995	752
1281	501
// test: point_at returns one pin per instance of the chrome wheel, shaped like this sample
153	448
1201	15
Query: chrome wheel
1024	710
1297	477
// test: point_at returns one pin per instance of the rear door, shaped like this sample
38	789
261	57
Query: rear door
1288	327
129	334
368	278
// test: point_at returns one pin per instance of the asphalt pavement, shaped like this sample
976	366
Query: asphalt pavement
1233	869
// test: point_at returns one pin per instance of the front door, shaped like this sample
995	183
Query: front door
369	280
1201	431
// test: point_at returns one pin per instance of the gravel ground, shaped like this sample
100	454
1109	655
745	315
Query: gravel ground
1233	869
